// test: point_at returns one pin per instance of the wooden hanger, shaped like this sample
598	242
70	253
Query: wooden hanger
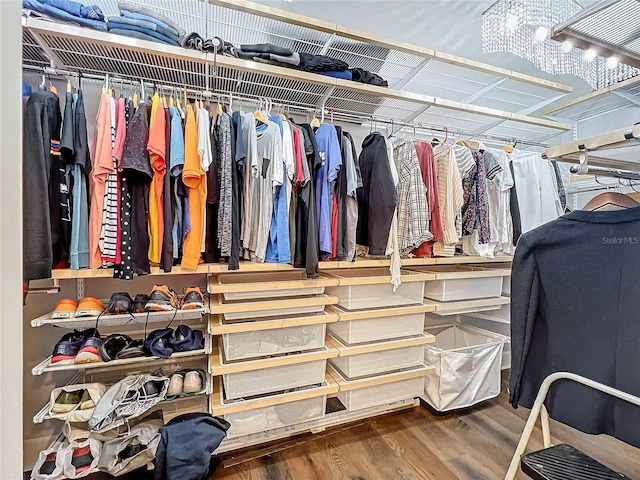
69	86
259	116
463	143
634	195
510	148
610	201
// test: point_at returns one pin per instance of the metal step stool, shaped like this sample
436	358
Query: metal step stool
564	462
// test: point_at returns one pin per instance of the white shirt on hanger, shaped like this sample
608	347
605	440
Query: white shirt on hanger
537	189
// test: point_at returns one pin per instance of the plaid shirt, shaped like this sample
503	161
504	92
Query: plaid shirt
413	211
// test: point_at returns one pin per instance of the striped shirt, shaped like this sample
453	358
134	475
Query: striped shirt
451	199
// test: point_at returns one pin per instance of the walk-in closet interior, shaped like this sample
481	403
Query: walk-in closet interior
316	240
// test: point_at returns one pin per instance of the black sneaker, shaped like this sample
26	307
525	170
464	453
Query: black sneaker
90	349
193	299
162	299
120	303
140	303
65	351
112	346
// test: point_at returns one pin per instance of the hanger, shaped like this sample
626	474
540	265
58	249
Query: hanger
463	143
610	201
510	148
315	123
69	86
392	129
171	101
105	87
163	98
259	116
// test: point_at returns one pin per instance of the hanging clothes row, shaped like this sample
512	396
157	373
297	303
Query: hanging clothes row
169	183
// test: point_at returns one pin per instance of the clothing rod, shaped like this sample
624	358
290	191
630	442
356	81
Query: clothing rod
609	172
116	79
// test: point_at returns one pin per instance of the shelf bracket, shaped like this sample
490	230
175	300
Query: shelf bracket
583	167
323	100
327	44
54	60
80	288
400	84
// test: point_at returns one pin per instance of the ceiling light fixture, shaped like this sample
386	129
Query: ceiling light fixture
522	27
612	62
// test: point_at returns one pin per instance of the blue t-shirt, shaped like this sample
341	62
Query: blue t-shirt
325	177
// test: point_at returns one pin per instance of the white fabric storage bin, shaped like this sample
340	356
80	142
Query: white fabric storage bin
374	363
268	380
283	415
462	282
384	328
372	293
242	345
467	361
366	397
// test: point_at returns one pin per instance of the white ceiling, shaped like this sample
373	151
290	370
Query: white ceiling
451	26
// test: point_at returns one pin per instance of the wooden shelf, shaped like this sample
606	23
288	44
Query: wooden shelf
268	282
253	267
348	350
218	327
350	315
220	306
346	385
219	367
371	276
468	306
107	320
456	272
219	407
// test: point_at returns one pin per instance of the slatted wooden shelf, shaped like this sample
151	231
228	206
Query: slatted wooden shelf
348	350
219	327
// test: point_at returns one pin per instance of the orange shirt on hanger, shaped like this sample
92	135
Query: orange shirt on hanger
156	147
101	153
195	180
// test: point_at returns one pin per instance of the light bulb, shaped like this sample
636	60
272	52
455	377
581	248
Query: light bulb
612	62
512	22
541	34
590	55
566	46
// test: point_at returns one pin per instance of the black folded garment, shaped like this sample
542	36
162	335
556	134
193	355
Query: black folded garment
321	63
364	76
192	40
266	48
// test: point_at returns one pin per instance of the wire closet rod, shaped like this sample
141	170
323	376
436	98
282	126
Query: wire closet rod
349	116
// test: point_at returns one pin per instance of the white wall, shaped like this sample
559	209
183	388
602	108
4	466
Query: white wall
10	244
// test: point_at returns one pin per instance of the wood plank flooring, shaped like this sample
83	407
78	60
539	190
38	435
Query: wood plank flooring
415	444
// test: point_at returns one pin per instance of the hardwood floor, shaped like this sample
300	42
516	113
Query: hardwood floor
415	444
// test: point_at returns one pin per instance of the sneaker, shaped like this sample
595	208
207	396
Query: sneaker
67	401
176	383
192	382
81	459
162	299
120	303
134	350
139	303
89	307
66	308
193	299
112	346
90	349
49	465
185	339
65	351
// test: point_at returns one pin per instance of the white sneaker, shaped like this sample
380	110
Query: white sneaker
176	383
192	382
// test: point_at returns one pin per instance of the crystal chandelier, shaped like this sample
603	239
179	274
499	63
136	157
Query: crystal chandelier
522	27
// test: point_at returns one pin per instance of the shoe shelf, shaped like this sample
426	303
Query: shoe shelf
118	320
188	403
46	367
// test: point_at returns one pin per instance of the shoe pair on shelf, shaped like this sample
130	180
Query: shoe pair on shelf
73	460
186	382
77	347
69	401
163	342
165	299
87	307
119	346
